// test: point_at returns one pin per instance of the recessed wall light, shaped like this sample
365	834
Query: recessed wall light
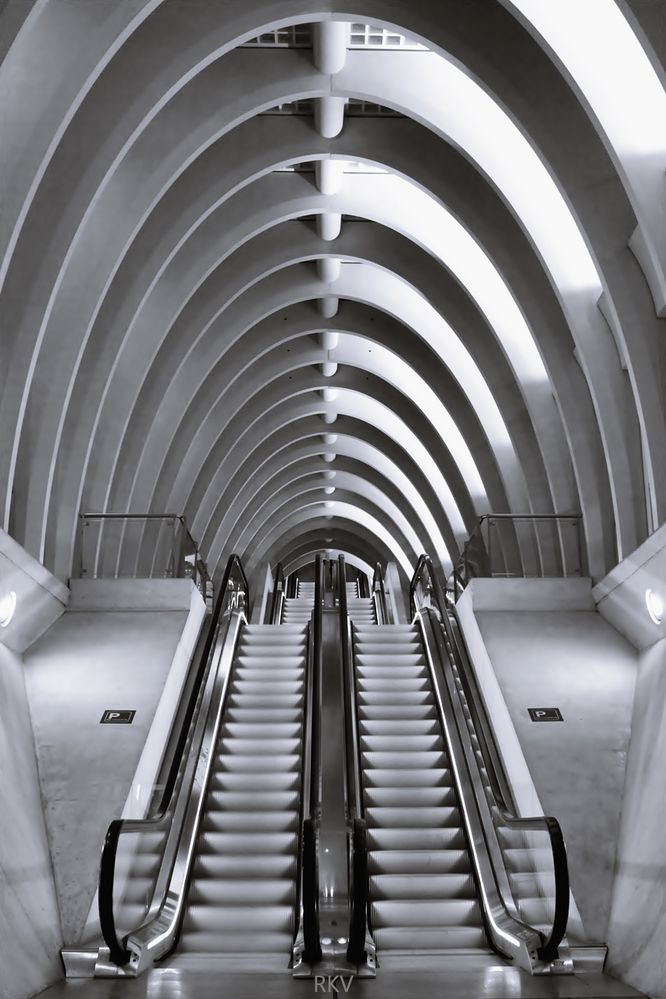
655	605
7	608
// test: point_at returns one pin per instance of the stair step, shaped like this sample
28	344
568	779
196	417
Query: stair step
250	801
423	886
444	838
249	842
402	743
256	700
407	818
425	938
404	761
272	716
245	867
397	712
262	730
399	726
239	892
403	777
263	763
404	913
419	862
257	747
225	780
235	942
251	918
409	797
224	821
400	698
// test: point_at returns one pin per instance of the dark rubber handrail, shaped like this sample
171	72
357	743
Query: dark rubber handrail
358	857
278	591
505	809
310	785
159	822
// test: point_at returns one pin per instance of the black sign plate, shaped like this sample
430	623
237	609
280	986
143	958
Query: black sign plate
545	714
116	716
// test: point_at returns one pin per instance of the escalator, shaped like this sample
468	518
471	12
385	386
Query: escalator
422	891
217	870
448	862
244	879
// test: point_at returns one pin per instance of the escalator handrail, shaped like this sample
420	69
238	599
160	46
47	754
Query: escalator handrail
504	806
277	601
352	753
309	887
379	595
161	820
358	855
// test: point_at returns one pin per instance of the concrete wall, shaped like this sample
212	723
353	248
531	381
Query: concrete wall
100	655
549	648
638	915
30	936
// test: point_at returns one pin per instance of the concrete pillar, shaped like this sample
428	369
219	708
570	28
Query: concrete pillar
328	339
329	226
328	305
329	45
328	268
329	114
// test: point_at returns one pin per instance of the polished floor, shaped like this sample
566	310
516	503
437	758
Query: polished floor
179	978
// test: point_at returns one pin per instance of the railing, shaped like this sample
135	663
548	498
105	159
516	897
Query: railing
277	602
179	807
514	546
426	587
379	596
360	948
139	546
307	945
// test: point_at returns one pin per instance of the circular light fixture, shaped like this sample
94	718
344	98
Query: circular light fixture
655	606
7	608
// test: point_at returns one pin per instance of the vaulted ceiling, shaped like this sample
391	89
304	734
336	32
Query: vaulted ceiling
323	276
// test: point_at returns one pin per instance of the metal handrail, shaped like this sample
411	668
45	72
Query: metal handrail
504	807
277	603
477	556
162	821
357	832
199	570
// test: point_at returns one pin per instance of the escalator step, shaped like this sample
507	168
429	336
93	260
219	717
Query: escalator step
245	867
424	886
415	777
410	797
408	818
225	780
425	938
451	912
419	862
235	942
232	918
249	842
402	743
404	761
416	839
244	892
250	801
224	821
